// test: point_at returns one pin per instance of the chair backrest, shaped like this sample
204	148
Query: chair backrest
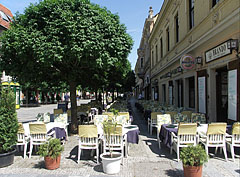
187	129
198	118
172	113
163	119
121	119
217	128
154	115
63	118
188	113
37	128
110	115
116	137
69	113
20	128
57	111
114	130
88	131
99	119
236	128
125	114
180	118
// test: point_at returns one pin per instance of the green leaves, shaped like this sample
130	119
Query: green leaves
193	155
51	148
8	120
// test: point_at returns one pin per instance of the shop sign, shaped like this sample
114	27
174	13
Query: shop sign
217	52
187	62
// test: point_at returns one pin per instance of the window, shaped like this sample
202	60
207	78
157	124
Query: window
191	14
161	48
214	2
141	62
168	40
4	16
191	92
152	59
156	53
177	29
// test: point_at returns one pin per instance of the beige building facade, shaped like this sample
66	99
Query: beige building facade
195	59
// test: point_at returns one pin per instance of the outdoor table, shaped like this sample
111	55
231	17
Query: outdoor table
165	134
132	132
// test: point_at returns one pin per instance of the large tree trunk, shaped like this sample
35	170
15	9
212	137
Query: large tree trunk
74	121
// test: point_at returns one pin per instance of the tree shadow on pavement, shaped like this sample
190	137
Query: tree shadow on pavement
98	168
85	157
40	165
174	173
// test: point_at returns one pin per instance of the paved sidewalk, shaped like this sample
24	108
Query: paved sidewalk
144	160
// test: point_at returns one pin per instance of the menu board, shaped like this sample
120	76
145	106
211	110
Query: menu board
232	94
201	95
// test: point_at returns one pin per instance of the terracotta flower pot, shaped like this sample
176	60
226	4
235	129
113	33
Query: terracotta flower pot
192	171
52	164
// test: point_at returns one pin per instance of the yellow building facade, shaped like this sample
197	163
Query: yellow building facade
195	59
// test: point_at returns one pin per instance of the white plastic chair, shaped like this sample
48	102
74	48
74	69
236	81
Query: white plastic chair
88	139
234	139
187	135
22	139
162	119
152	121
38	135
215	137
116	140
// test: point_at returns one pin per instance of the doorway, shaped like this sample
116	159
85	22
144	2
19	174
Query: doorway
222	94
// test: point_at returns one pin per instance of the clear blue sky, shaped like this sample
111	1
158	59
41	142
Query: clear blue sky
132	13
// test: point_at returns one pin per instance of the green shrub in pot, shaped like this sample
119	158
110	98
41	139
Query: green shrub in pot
51	151
8	126
193	158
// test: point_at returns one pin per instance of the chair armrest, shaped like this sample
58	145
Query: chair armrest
173	135
228	135
202	135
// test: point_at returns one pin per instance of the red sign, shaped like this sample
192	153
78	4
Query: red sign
187	61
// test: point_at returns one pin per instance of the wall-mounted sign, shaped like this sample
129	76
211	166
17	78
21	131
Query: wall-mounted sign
187	62
217	52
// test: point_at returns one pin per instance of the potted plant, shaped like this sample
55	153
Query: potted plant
111	160
193	157
51	151
8	126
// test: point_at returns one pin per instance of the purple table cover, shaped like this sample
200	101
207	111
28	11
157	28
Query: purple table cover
132	136
60	133
165	134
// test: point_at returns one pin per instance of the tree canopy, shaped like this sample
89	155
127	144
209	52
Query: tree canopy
71	41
